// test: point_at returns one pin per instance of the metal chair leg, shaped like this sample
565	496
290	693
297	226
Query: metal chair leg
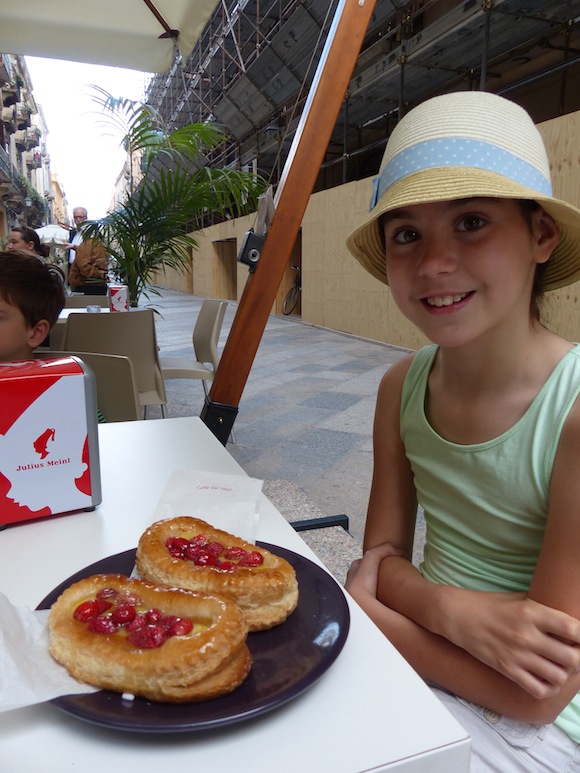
321	523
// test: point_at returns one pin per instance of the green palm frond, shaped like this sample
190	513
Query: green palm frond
153	229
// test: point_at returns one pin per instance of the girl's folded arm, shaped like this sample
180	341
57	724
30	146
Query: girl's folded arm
501	650
495	649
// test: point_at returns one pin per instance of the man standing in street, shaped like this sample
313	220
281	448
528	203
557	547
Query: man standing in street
75	238
88	260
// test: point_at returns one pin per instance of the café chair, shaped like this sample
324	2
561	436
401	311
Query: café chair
116	384
130	334
80	301
206	333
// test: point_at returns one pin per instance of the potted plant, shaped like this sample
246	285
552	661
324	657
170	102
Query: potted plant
170	199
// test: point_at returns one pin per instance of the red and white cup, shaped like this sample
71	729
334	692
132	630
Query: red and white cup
119	297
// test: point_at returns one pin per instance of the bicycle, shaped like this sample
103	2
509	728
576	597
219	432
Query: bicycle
293	296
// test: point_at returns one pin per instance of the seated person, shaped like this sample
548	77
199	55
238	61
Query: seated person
24	238
31	298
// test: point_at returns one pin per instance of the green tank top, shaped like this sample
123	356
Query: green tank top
486	504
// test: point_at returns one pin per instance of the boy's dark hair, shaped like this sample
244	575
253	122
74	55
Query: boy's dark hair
32	286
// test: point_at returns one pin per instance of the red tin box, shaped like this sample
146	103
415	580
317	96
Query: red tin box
49	453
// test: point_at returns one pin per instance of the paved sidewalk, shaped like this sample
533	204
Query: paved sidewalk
305	418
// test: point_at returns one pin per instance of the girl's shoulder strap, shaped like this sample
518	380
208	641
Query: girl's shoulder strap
418	372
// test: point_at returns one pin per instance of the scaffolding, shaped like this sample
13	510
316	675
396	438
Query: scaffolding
251	69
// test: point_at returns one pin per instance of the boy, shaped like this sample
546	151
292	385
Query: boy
31	298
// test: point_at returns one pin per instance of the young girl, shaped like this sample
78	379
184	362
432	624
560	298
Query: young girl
482	429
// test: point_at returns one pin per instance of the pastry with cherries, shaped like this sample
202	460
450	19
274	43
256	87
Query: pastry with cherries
187	552
165	644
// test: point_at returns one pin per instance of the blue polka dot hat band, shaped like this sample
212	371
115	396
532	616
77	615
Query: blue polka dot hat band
463	145
463	152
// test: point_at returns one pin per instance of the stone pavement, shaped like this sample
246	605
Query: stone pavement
305	418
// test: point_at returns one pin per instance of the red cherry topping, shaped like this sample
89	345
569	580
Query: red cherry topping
145	630
153	615
191	552
177	546
148	637
227	566
215	548
204	552
85	611
102	625
177	626
252	558
204	558
123	614
138	622
103	605
234	551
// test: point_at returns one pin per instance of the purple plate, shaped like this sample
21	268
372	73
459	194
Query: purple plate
286	660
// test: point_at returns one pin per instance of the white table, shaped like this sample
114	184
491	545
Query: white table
64	314
369	711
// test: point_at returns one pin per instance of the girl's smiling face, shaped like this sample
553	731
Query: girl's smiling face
458	269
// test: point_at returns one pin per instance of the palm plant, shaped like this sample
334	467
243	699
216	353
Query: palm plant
152	230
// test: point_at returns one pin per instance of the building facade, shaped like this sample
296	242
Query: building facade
25	181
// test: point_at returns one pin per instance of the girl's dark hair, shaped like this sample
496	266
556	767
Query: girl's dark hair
30	235
528	207
32	286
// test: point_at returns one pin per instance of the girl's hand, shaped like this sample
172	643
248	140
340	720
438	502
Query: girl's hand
362	577
535	646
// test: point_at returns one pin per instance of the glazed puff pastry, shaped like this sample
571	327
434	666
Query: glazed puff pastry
174	646
174	552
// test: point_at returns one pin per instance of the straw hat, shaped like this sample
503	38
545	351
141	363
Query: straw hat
469	143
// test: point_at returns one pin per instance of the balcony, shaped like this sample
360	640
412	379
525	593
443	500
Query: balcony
8	119
32	160
20	139
26	139
33	137
5	167
20	197
5	68
10	94
22	116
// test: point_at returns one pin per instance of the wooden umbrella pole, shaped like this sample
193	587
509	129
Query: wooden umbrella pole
297	182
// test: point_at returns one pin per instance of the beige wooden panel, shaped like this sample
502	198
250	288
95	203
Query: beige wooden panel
175	280
338	293
289	277
225	269
561	136
214	273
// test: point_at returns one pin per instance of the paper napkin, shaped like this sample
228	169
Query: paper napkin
228	502
28	673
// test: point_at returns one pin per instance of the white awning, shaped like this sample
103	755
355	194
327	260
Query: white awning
135	34
53	233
